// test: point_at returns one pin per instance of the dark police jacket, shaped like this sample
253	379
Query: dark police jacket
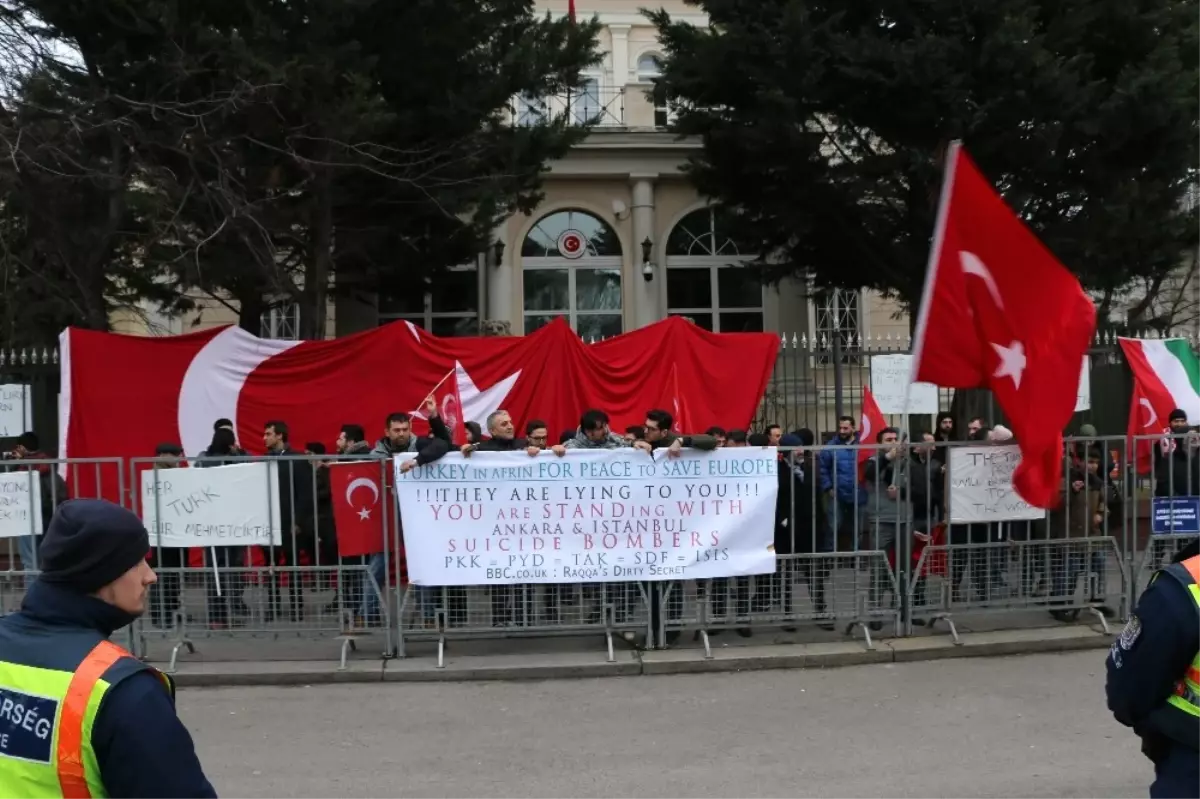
141	746
1149	659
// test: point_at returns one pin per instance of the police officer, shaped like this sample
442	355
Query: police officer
79	715
1154	675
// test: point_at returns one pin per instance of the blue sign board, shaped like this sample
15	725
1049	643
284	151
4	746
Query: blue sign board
1175	516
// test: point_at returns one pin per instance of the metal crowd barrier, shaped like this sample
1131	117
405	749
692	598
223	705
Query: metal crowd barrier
30	507
441	614
298	589
843	567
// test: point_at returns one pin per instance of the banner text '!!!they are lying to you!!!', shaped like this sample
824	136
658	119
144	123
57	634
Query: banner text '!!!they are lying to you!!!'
593	515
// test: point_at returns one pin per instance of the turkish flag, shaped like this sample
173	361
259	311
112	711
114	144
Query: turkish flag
448	397
359	502
1000	312
177	386
1144	420
869	425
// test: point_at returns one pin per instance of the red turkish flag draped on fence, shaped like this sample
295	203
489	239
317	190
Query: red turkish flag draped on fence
869	425
1000	312
359	503
177	386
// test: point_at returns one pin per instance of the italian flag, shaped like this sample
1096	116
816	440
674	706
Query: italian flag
1166	376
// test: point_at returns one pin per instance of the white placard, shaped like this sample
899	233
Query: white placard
220	506
1083	396
590	516
16	413
20	504
889	381
981	486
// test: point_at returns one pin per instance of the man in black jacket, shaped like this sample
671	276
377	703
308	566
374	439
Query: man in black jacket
658	433
799	520
297	497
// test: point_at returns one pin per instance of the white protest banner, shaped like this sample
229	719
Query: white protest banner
221	506
590	516
20	504
890	380
16	415
981	486
1083	397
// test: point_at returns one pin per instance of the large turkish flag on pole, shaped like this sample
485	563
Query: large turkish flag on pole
1000	312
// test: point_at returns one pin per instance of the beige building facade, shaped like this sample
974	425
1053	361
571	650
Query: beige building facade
621	239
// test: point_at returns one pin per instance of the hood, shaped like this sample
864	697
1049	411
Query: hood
613	441
61	607
359	448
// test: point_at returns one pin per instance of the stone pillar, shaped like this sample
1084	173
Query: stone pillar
645	293
620	55
500	282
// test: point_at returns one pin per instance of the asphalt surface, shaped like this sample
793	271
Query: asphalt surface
1023	726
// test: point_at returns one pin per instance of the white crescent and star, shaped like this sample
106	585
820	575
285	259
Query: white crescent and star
214	380
362	482
1152	416
1012	357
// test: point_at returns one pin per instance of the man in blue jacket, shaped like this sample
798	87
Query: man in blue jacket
839	483
79	715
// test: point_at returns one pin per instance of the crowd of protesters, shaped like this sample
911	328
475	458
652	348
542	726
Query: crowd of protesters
831	503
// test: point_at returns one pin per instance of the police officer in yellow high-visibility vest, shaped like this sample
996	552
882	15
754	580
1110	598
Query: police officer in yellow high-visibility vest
80	716
1154	676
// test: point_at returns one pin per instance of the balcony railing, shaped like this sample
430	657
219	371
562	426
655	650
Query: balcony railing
590	104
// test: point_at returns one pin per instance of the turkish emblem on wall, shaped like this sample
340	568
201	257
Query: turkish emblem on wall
572	244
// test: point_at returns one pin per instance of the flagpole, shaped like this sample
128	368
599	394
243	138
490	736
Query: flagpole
935	250
904	549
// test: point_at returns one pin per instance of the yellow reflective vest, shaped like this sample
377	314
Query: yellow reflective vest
1187	690
47	713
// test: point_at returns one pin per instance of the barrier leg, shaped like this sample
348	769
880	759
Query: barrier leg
348	646
181	642
1103	619
440	622
945	615
609	615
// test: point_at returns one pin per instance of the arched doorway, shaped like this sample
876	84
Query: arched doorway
571	269
705	279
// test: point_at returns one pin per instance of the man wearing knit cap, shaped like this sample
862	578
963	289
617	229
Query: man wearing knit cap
79	715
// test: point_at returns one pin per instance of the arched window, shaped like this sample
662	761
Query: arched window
705	279
647	71
647	68
571	268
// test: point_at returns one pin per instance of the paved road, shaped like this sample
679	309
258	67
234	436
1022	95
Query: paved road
1029	726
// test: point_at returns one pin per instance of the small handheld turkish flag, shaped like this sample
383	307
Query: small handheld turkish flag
449	406
1145	420
869	425
1000	312
359	503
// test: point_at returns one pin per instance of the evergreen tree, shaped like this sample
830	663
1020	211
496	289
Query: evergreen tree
824	123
